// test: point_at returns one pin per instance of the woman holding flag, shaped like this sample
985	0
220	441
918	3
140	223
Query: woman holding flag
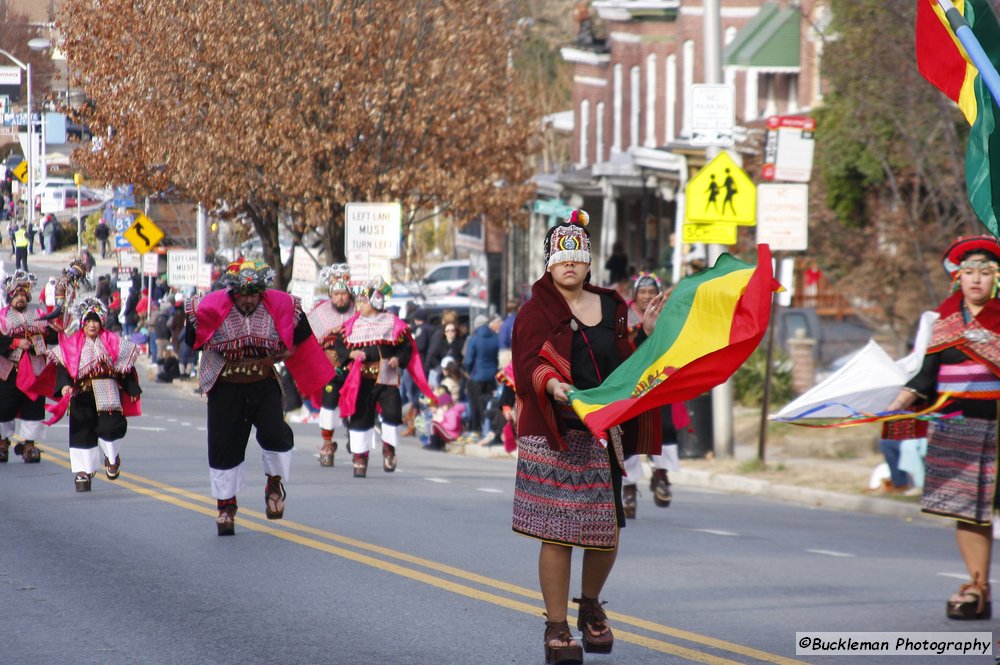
963	360
571	335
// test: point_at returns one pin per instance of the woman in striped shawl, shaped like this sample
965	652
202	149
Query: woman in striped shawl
963	361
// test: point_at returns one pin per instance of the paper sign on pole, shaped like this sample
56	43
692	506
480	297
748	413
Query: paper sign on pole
788	152
358	263
182	267
303	267
305	291
204	279
151	264
783	216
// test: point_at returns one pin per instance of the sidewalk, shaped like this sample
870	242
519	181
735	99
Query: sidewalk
837	483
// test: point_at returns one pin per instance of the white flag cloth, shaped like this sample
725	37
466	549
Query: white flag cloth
867	383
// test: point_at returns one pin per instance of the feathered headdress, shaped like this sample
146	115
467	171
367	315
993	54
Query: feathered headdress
569	241
337	277
376	291
19	281
89	307
248	277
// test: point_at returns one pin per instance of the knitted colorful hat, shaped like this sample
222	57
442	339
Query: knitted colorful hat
646	279
337	276
90	307
569	241
952	258
248	277
375	291
20	281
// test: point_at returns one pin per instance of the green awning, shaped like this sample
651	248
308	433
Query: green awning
770	39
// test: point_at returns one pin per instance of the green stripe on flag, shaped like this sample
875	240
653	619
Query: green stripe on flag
982	154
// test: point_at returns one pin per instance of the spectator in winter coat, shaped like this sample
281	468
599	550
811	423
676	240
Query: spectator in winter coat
481	364
448	342
446	423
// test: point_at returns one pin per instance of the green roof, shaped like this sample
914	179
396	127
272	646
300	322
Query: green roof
770	39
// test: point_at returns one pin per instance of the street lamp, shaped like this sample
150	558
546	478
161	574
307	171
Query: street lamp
31	136
36	44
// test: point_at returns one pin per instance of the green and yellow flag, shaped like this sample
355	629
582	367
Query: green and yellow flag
710	325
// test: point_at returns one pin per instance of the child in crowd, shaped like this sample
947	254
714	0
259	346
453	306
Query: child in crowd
446	423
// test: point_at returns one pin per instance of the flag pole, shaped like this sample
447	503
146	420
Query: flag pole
979	58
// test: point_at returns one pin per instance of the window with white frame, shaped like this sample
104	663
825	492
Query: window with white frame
650	100
584	130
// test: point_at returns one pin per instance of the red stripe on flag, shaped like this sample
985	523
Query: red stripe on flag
938	58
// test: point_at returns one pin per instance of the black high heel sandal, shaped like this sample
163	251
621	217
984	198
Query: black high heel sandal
570	654
82	481
225	523
593	622
274	498
980	608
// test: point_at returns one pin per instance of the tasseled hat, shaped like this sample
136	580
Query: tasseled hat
76	272
646	279
91	308
376	291
952	259
569	241
20	281
337	277
248	277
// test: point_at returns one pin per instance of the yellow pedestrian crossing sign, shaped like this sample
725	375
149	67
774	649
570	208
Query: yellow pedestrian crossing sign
21	172
721	192
143	234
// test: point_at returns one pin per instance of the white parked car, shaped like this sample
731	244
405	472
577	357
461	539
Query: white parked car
445	279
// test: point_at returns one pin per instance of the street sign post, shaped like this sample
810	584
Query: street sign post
721	192
182	267
788	152
374	228
143	234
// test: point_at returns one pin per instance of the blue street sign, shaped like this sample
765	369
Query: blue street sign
122	242
124	196
552	208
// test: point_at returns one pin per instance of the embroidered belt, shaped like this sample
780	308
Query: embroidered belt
248	371
87	384
369	370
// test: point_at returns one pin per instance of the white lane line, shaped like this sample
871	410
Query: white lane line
831	553
171	420
202	429
489	490
962	576
717	532
443	481
186	424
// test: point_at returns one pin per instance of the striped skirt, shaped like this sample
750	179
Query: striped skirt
569	497
960	480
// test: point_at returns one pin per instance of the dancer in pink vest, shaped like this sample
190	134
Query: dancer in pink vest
327	322
100	388
242	332
26	376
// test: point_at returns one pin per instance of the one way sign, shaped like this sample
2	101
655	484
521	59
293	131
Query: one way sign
143	234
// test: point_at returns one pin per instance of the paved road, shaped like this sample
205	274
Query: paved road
419	566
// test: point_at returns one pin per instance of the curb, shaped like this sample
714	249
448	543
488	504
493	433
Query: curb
794	494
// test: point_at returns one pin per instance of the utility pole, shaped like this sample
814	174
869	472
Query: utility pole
722	396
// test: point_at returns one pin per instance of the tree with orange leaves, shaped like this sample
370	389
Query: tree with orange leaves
286	110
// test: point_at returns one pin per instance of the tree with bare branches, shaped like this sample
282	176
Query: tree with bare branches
286	110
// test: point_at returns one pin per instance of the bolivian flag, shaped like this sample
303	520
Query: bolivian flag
945	63
709	326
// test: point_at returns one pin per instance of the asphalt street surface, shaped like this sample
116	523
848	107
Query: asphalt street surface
420	566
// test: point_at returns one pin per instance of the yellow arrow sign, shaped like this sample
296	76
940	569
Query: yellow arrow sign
21	172
721	192
143	234
715	234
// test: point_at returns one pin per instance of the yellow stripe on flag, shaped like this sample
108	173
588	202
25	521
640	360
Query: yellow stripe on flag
707	328
967	95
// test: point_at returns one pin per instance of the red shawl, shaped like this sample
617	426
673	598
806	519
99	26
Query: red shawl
542	346
308	364
72	348
949	331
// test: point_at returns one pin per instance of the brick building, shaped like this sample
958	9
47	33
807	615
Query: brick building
631	147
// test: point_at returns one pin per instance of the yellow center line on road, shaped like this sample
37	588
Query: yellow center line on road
286	529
